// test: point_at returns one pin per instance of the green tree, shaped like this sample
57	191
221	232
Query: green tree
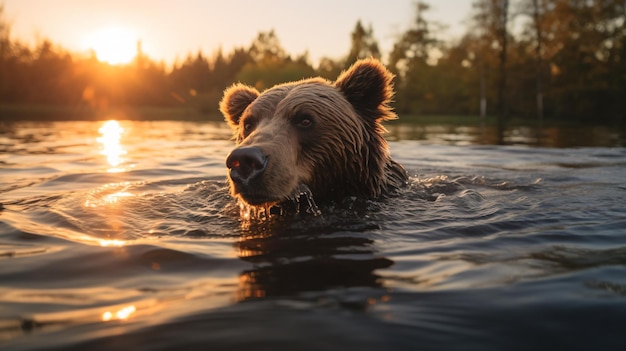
536	11
329	68
410	61
458	79
491	18
266	48
363	45
7	61
271	64
590	36
414	46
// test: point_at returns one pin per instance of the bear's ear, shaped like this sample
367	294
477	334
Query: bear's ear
236	99
368	87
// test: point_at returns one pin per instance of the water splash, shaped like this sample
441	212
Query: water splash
298	203
310	207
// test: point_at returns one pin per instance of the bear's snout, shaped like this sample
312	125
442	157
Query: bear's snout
245	164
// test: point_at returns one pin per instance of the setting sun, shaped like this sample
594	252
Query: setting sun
114	45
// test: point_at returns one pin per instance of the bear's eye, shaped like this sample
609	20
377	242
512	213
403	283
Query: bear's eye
303	121
248	127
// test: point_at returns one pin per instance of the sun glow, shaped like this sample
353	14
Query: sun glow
114	45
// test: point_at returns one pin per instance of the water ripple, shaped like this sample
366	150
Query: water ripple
487	247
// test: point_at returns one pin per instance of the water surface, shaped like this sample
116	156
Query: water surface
124	236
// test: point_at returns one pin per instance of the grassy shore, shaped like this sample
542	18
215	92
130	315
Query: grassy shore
17	112
474	120
86	113
443	119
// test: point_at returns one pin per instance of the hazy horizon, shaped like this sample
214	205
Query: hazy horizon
170	31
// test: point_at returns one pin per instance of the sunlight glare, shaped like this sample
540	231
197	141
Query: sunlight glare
114	45
122	314
111	133
114	198
112	243
109	195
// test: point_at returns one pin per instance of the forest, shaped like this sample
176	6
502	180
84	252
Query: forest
531	60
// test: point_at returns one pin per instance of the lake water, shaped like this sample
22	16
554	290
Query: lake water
124	237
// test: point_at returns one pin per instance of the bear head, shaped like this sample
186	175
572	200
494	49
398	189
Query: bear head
314	132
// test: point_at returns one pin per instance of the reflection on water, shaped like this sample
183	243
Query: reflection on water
107	199
562	136
112	243
121	314
292	258
487	244
108	207
108	195
111	134
114	198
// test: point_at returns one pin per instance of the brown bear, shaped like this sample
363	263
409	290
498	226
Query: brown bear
324	135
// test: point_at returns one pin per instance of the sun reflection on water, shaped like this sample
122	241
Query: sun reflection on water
114	198
121	314
112	242
109	195
111	134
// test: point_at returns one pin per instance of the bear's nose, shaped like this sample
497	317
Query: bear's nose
245	163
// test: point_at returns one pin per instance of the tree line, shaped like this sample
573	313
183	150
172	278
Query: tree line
530	59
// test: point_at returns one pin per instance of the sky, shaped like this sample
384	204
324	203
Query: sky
171	29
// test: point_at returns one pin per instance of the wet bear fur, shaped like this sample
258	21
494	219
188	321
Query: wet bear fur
315	132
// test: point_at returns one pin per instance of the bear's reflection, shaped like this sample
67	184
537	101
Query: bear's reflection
290	259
